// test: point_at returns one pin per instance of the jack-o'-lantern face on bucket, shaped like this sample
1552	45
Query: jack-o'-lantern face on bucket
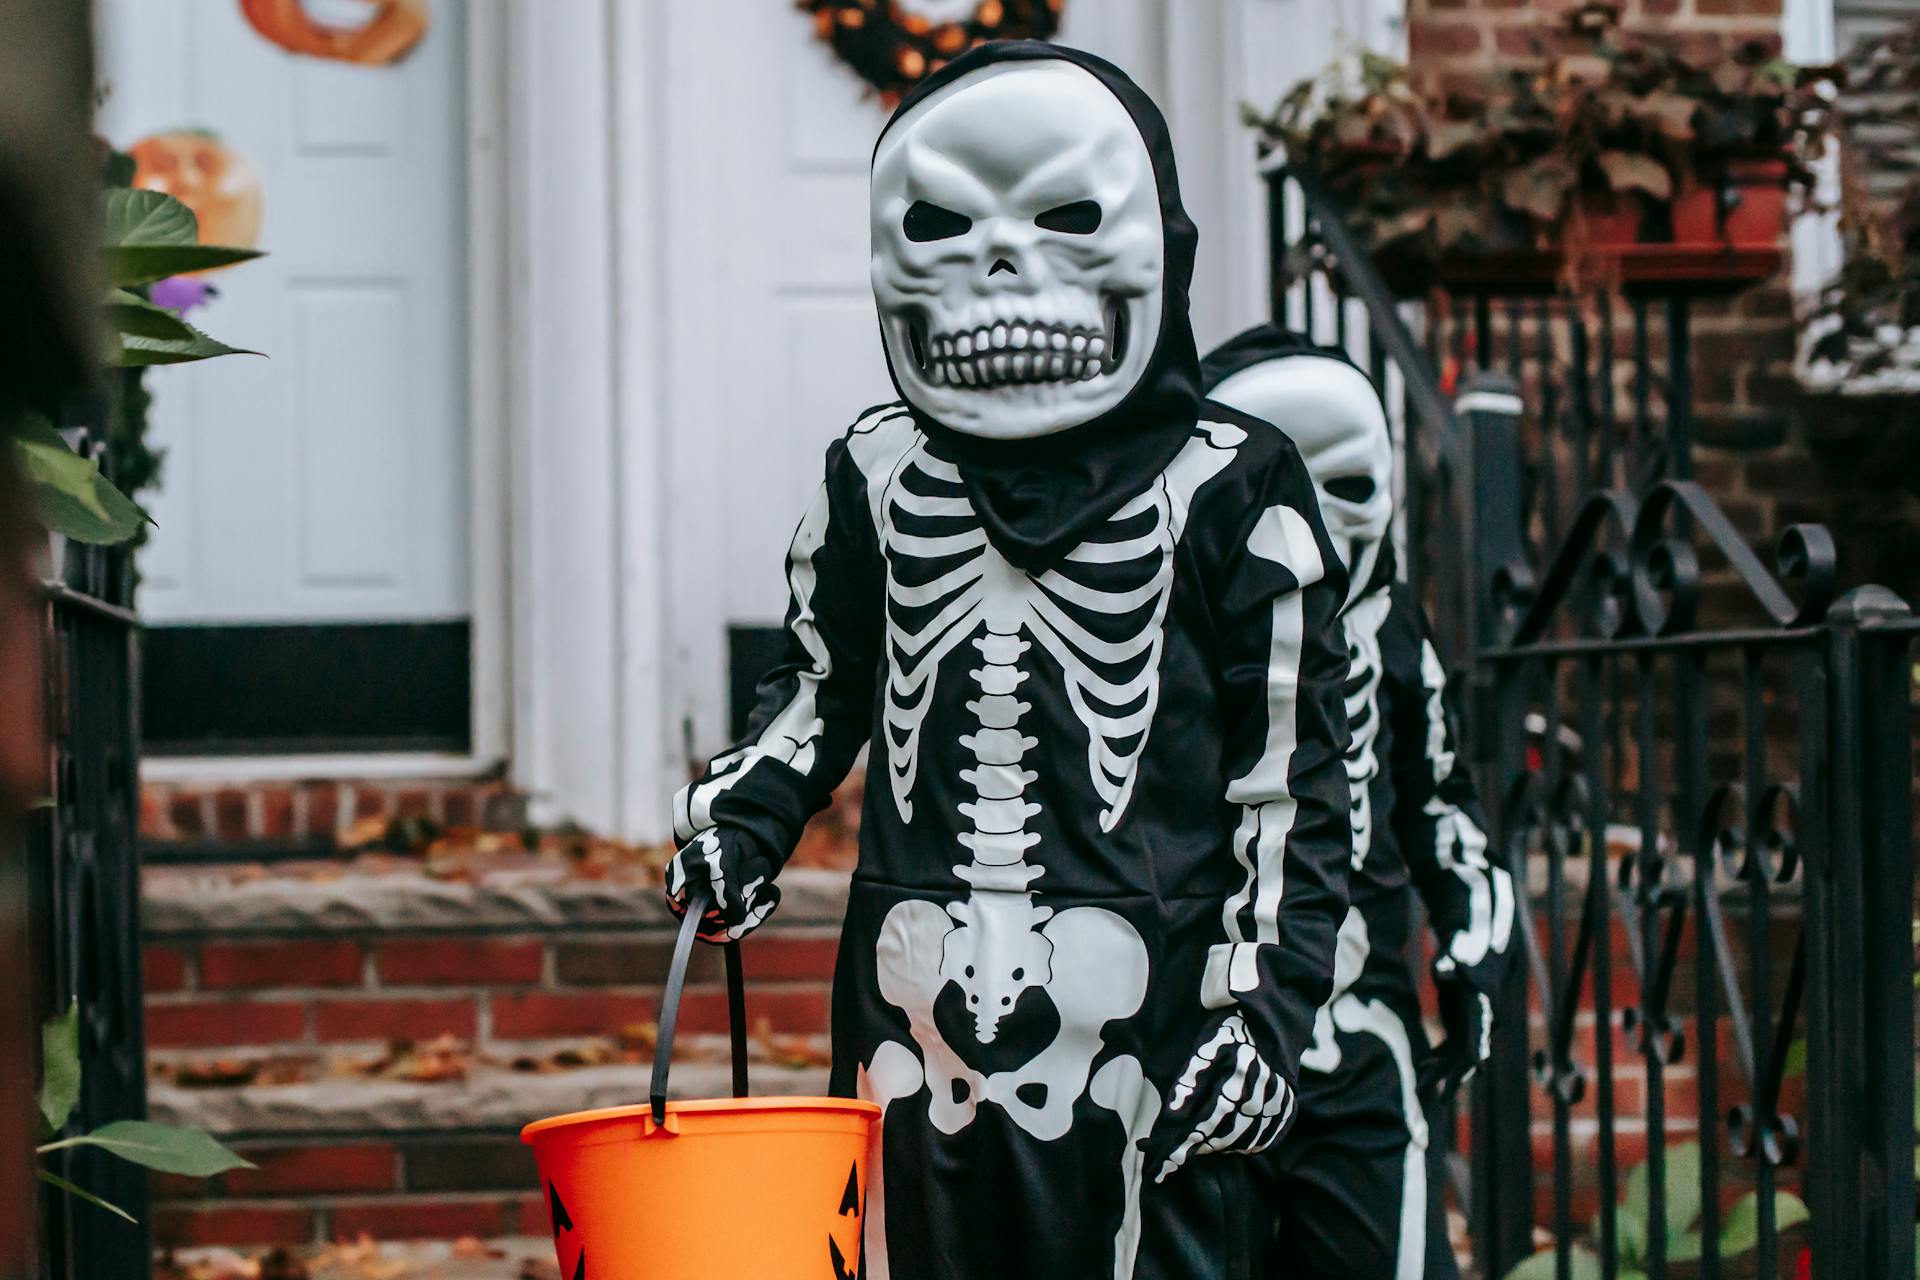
211	179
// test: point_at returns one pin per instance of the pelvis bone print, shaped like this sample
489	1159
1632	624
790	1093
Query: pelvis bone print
1097	620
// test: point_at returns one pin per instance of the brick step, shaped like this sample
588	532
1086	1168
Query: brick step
488	1099
513	1257
396	1160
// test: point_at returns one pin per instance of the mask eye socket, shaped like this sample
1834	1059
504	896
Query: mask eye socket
926	222
1351	488
1081	218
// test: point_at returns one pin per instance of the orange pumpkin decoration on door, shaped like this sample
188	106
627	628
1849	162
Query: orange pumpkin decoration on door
210	178
391	30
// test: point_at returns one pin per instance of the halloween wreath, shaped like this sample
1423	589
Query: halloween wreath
892	44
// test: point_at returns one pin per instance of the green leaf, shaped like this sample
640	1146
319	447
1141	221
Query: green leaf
129	313
55	1180
143	264
137	350
1741	1231
70	495
1540	1266
59	1069
1796	1065
151	236
159	1146
135	217
1681	1183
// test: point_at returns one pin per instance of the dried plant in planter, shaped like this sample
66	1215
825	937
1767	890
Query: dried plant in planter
1868	317
1615	144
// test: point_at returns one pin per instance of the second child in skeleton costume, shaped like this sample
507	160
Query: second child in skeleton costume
1088	623
1354	1192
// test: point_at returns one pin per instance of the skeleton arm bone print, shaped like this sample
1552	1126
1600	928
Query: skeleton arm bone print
738	824
1283	664
1469	896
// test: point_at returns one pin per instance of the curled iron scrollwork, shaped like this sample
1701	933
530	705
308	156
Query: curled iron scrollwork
1646	579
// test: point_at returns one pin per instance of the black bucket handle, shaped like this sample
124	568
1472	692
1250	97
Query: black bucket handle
698	900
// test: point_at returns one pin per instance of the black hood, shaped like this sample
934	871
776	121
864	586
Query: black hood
1264	342
1261	343
1039	498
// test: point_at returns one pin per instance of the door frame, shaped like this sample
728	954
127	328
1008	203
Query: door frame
486	123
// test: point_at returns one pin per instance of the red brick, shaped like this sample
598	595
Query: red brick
532	1217
413	803
458	961
276	813
153	813
233	1224
1442	39
335	1020
370	802
780	957
314	1170
238	966
542	1013
230	821
162	969
405	1219
457	807
210	1023
323	809
189	816
802	1009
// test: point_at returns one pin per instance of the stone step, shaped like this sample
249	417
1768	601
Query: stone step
488	1099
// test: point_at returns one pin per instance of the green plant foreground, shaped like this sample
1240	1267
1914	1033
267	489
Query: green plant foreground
152	1146
1739	1229
149	236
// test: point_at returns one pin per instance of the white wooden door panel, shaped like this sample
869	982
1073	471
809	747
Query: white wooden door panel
327	482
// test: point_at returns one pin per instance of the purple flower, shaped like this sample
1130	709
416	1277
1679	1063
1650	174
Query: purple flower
180	294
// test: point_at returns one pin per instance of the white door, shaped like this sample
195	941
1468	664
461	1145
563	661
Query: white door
326	483
775	345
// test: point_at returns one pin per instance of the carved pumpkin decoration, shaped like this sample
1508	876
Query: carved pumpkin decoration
210	178
391	29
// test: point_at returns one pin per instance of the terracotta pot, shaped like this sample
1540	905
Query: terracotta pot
1755	201
1744	206
1606	220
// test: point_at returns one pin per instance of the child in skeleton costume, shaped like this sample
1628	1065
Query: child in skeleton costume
1089	625
1357	1190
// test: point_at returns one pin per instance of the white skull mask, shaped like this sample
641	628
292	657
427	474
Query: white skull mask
1332	413
1018	252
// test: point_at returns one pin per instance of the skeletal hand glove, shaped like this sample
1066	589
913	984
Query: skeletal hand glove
1467	1019
740	873
1229	1099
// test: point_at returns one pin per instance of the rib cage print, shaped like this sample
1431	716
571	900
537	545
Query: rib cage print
1099	616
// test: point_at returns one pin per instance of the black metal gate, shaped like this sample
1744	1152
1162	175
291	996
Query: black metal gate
1701	766
84	880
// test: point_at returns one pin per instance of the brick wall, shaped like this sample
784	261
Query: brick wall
315	813
398	1167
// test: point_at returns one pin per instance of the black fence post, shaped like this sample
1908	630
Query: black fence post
1860	1021
1489	409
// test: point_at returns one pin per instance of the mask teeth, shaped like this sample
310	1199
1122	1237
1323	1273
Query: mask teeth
1016	353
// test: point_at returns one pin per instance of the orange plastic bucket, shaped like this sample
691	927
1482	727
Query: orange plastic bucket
753	1188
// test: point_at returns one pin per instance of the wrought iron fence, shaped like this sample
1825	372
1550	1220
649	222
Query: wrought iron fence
1679	747
84	882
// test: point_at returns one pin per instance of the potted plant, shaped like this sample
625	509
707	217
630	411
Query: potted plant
1608	150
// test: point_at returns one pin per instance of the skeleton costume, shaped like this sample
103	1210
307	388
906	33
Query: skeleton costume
1356	1190
1089	625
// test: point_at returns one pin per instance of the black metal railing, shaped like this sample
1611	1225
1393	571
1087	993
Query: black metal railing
1709	759
84	878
